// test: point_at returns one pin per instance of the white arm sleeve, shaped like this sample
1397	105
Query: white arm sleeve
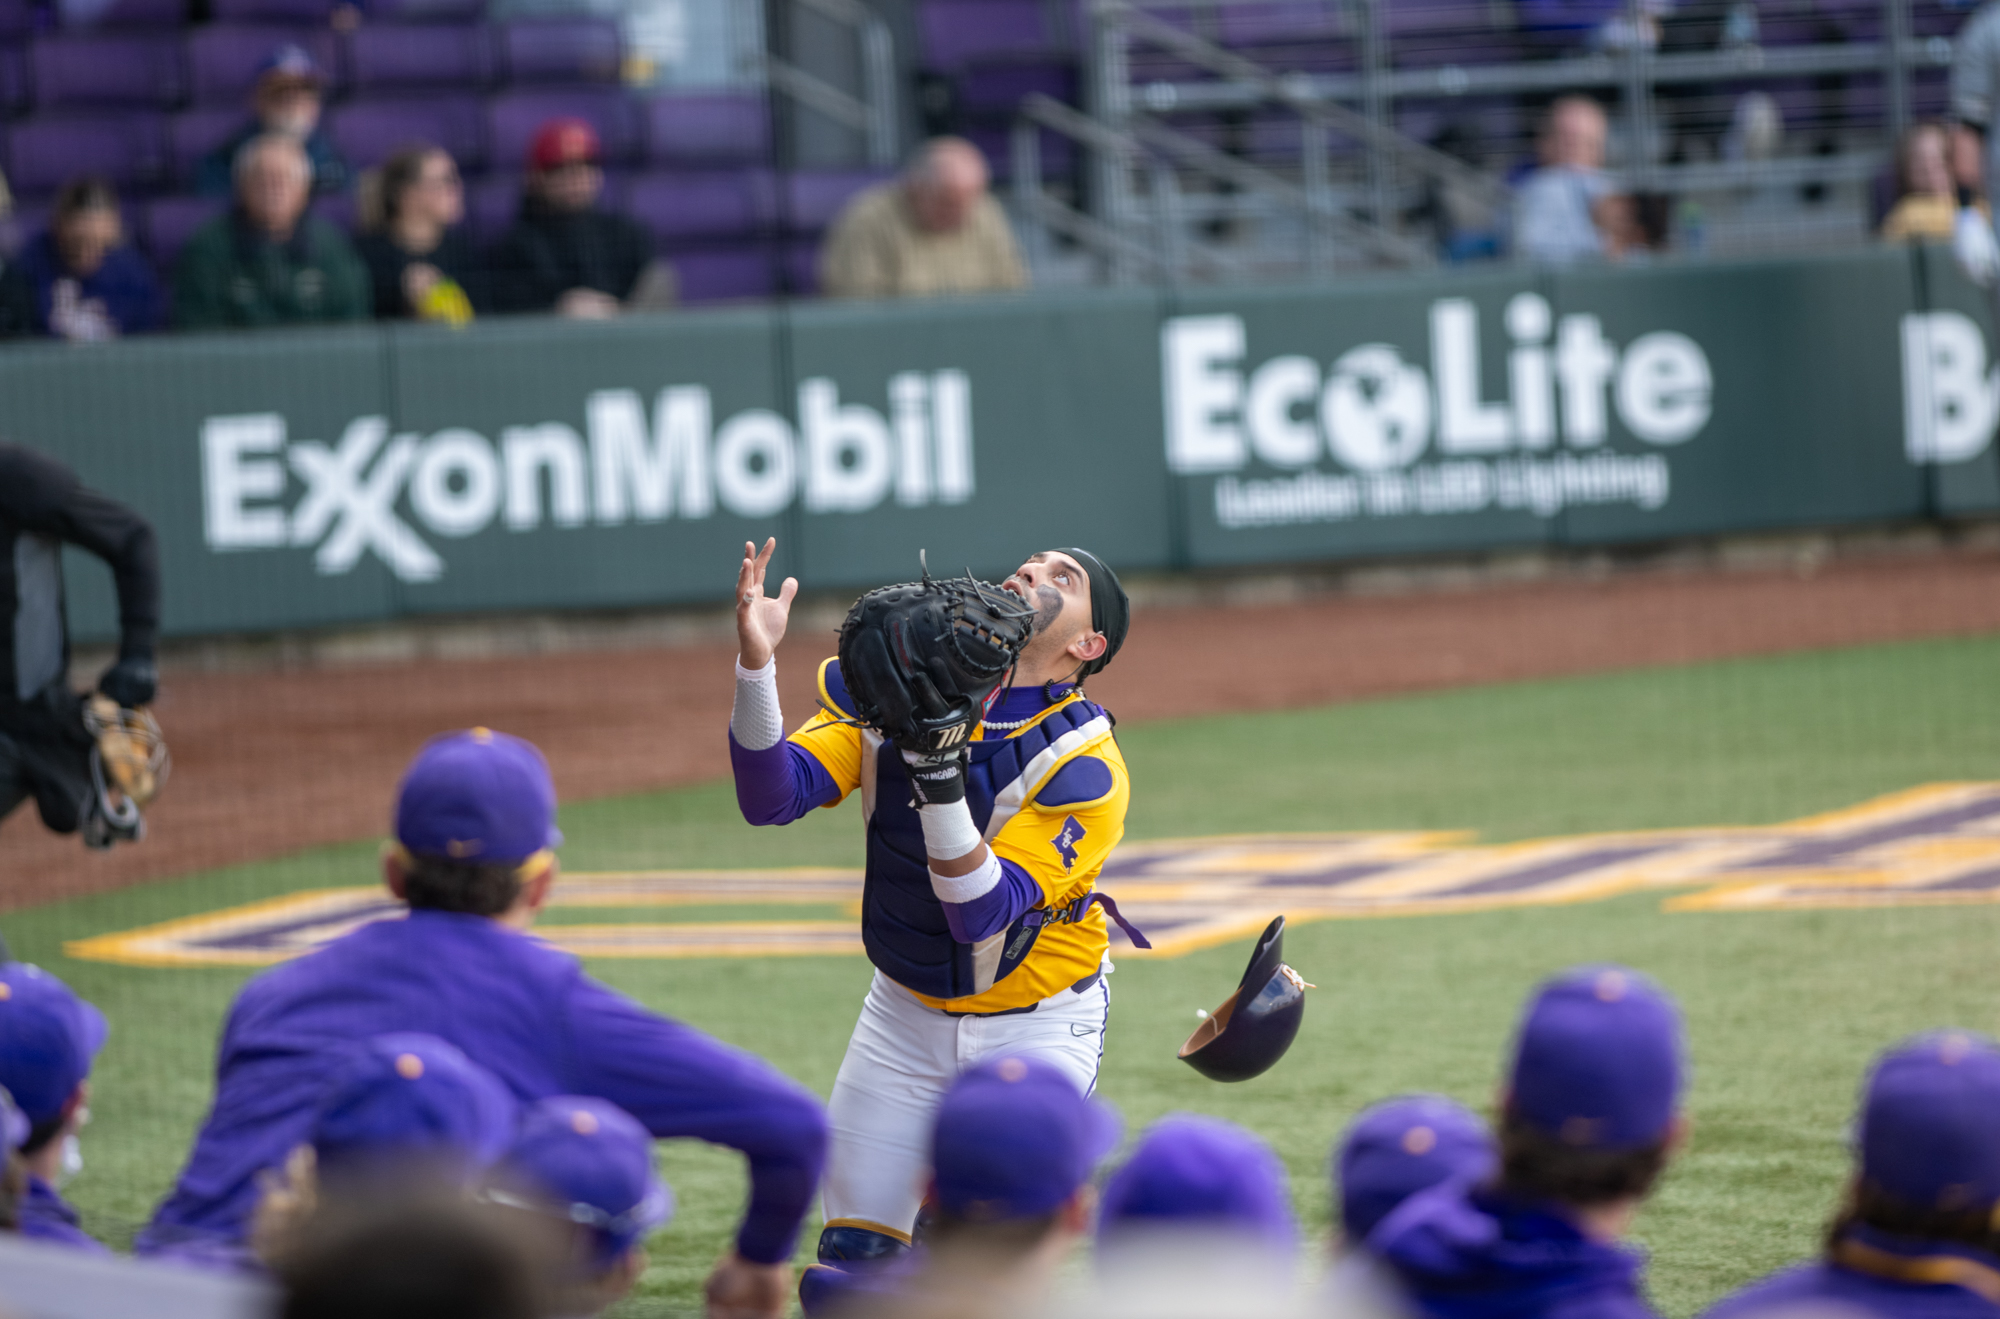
755	720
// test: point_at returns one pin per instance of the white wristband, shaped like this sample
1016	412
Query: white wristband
949	832
965	888
755	720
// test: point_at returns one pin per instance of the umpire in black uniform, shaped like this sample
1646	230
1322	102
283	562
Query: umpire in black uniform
45	750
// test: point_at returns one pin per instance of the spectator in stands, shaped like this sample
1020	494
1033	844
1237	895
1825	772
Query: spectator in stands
1561	26
49	1040
404	1114
1918	1233
1975	74
936	230
1565	210
267	262
1590	1118
1012	1149
418	259
286	102
563	253
417	1258
1926	208
587	1165
1400	1147
80	280
474	830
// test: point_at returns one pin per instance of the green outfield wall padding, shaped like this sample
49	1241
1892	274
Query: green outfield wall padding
319	478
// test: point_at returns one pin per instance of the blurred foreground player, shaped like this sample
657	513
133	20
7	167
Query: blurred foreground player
1590	1118
1402	1146
588	1167
979	910
49	734
1917	1236
1011	1155
49	1039
475	825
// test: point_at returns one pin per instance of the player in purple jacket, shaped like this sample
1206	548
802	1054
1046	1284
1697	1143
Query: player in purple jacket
475	825
1589	1120
1916	1238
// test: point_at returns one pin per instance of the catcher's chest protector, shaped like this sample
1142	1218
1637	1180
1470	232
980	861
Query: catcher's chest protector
902	924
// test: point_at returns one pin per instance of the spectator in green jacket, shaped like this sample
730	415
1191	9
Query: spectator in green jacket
267	262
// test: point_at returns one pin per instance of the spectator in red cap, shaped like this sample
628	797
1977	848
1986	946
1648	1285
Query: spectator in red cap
563	253
286	100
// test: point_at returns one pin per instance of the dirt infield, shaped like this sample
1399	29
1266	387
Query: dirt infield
274	762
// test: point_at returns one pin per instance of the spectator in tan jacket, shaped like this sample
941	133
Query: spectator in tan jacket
936	230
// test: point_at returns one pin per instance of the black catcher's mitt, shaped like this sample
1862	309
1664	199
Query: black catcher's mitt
921	658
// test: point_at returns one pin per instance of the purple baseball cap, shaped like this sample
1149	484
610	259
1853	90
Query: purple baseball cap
14	1125
1402	1146
477	795
403	1095
290	61
48	1040
1599	1060
592	1163
1192	1171
1014	1139
1930	1122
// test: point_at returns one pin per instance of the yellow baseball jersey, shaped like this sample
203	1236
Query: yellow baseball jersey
1050	798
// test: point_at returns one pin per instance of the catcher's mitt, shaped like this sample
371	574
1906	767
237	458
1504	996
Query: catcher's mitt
128	764
921	659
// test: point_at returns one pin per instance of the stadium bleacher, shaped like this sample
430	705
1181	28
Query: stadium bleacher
135	92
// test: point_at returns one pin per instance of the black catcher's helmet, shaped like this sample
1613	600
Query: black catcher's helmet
1257	1023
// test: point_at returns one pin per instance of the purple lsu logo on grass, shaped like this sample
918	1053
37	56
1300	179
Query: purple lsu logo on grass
1066	840
1937	845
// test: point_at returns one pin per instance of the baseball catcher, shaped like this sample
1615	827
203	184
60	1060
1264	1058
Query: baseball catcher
994	790
91	762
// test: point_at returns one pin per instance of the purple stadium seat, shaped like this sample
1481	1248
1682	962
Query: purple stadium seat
426	11
171	221
420	56
223	60
561	50
513	117
1283	21
815	197
1000	88
802	264
996	144
107	70
697	129
16	19
128	147
680	207
13	80
272	11
724	274
954	33
82	15
491	204
192	134
369	132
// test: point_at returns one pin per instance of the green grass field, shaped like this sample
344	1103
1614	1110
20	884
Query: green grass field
1784	1008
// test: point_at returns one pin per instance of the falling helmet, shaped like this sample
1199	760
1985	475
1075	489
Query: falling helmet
1255	1024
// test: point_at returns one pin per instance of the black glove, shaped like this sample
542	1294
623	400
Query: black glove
937	780
920	659
131	682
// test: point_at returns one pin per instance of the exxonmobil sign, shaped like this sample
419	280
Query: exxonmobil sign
404	496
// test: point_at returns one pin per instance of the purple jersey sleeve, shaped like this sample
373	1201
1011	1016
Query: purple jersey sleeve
996	908
681	1083
779	784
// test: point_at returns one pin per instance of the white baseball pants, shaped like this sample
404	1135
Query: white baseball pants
901	1060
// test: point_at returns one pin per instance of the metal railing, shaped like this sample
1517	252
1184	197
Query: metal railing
872	115
1345	195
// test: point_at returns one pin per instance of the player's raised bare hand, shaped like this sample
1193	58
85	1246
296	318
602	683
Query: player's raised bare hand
760	620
